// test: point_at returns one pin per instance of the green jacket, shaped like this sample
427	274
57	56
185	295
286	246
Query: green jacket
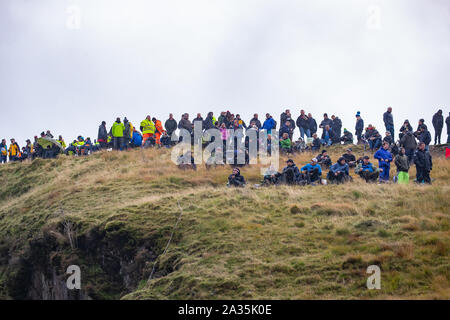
286	144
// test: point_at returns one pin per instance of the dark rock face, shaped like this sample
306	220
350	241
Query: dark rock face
112	260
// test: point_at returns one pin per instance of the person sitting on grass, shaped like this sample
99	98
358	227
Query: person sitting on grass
350	158
373	137
315	145
327	136
312	171
324	159
165	140
235	179
339	172
136	140
402	164
384	157
270	176
286	144
388	138
186	162
299	145
367	170
347	138
290	174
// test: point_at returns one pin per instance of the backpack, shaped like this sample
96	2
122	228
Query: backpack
275	124
4	151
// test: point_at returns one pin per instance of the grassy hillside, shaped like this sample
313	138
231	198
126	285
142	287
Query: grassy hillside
113	213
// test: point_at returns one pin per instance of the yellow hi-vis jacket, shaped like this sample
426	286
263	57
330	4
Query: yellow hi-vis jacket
148	126
13	150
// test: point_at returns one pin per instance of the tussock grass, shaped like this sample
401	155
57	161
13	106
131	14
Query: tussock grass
252	243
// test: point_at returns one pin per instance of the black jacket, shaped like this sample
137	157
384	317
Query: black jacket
349	157
347	137
447	122
171	126
292	122
208	123
312	125
388	139
256	121
359	126
408	141
423	160
200	120
408	127
388	119
336	126
438	121
325	122
372	133
237	180
303	122
102	133
425	137
283	117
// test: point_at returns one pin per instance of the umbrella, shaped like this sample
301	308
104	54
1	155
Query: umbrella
46	141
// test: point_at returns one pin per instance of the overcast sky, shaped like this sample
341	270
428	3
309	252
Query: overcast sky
133	58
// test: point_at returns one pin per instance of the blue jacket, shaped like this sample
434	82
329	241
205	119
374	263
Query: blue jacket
367	167
137	139
285	129
269	124
383	154
309	167
338	167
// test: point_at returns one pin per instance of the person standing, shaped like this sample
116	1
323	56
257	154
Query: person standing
256	121
325	122
404	128
269	124
424	136
336	126
312	124
438	124
102	136
200	121
170	125
402	163
208	123
359	127
424	164
286	114
127	134
384	158
3	151
303	125
159	131
408	141
447	122
117	131
14	150
148	129
388	120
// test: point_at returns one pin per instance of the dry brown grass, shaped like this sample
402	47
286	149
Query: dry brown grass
278	242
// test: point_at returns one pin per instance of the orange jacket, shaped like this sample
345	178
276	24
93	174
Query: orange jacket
159	127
